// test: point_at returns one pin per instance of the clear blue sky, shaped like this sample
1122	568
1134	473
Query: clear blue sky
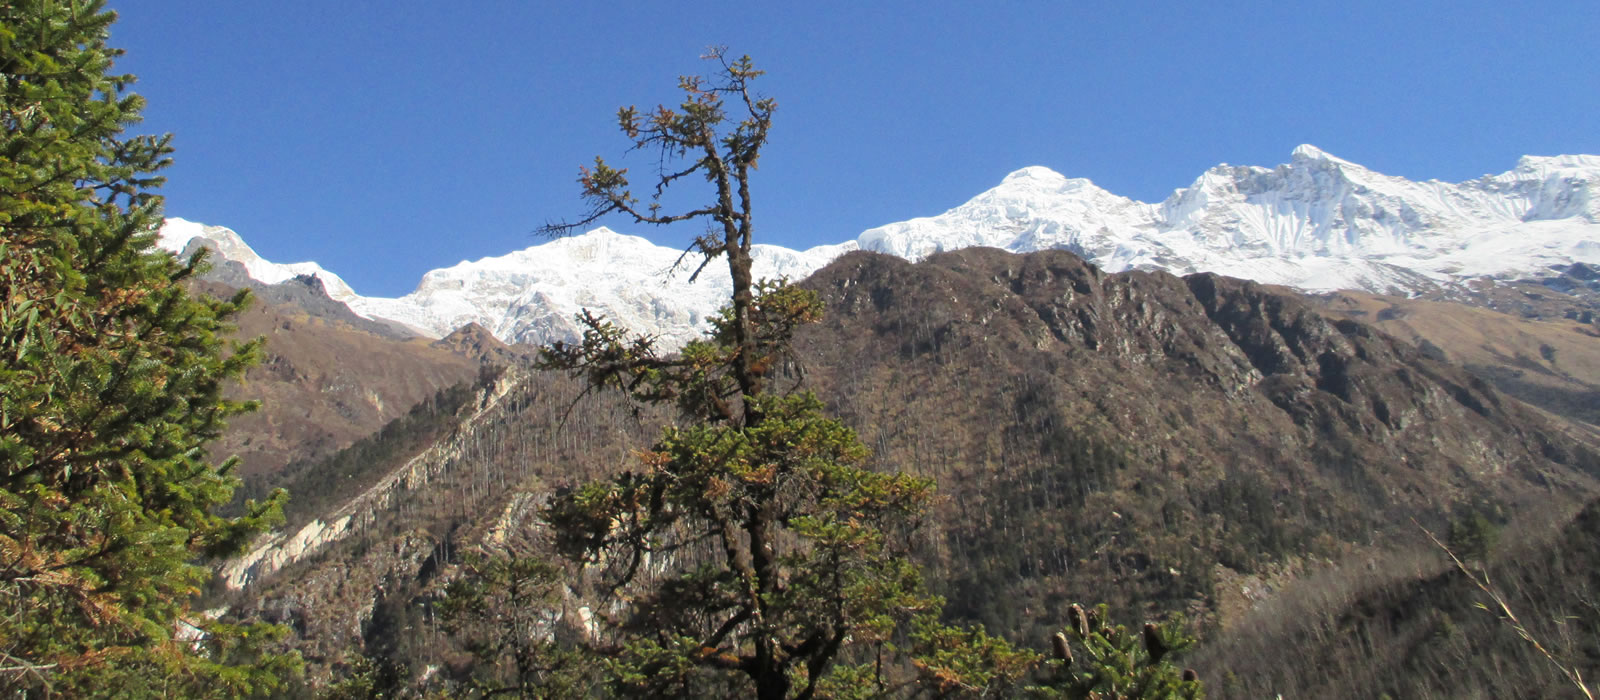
384	139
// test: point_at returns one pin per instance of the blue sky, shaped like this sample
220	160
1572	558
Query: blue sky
385	139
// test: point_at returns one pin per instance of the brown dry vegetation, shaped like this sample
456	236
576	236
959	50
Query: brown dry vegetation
323	383
1551	362
1408	624
371	589
1121	436
1142	439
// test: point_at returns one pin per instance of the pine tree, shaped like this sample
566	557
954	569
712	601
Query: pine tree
1115	663
501	611
111	378
757	553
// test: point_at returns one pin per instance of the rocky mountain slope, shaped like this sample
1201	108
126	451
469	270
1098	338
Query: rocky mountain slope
1130	432
327	377
1137	437
1548	355
1317	223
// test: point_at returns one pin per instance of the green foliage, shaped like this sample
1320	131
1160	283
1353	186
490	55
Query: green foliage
800	538
1094	659
702	379
210	660
1473	535
110	388
365	677
752	552
500	610
696	139
966	662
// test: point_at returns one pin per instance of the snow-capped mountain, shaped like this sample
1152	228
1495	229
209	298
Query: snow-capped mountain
532	295
1317	222
177	234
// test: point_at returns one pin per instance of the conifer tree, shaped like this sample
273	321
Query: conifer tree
757	553
111	378
1115	663
501	611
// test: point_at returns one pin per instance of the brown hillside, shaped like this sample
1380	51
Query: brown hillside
1134	438
1137	436
1550	361
323	383
476	342
1422	632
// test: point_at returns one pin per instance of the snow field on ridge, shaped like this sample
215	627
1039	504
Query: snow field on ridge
1318	223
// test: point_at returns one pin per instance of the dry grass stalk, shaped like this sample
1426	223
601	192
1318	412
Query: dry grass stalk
1481	580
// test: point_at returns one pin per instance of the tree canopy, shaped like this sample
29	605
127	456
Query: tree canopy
111	380
755	552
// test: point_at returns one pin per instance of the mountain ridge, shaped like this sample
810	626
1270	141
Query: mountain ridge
1146	437
1317	223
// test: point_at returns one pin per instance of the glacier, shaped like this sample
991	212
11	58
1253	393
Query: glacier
1317	222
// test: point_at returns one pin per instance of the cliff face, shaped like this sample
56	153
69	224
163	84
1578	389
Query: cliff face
362	511
1160	359
352	574
1138	438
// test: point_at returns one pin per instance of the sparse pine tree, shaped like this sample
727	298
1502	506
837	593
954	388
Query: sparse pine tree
501	609
1472	536
786	572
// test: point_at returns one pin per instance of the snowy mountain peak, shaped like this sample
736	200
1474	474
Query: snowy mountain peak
1547	164
177	234
1035	173
599	236
600	244
596	245
1317	222
1037	179
1308	152
1031	209
532	295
